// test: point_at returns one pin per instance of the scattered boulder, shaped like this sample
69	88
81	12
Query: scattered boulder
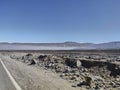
73	62
31	62
28	55
42	57
78	63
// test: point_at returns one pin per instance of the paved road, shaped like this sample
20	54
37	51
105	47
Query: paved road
5	82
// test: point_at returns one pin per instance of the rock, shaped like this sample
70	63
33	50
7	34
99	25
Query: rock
73	78
83	83
112	83
74	85
59	68
100	89
36	61
28	55
42	57
70	62
91	80
78	63
88	80
73	62
98	78
31	62
66	70
62	75
73	70
85	70
77	74
67	74
117	79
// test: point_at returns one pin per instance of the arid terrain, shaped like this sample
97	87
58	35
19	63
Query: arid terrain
64	70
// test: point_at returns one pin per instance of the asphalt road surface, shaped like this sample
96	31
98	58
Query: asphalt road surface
5	82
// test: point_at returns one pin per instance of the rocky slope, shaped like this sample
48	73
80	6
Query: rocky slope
93	72
31	77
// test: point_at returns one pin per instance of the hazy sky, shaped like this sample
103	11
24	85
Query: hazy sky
59	20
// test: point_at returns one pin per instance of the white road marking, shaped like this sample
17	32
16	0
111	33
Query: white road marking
11	77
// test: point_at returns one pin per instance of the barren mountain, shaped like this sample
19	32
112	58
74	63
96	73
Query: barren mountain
58	46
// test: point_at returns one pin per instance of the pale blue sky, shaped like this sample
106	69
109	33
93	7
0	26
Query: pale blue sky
59	20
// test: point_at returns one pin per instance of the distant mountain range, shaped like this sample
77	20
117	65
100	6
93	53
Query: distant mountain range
59	46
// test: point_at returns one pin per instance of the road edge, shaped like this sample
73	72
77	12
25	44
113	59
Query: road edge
10	76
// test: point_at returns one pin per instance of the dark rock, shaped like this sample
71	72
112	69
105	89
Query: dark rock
42	57
29	54
73	62
31	62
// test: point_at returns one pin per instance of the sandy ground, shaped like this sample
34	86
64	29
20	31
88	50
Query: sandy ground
35	78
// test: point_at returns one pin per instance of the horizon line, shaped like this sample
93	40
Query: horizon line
58	42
